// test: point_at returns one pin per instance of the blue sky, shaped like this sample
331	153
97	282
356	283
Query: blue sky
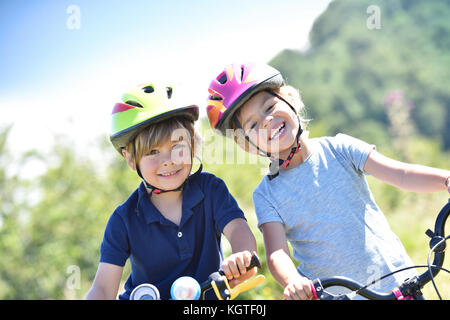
60	80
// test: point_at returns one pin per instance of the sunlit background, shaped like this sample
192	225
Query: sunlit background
376	70
65	63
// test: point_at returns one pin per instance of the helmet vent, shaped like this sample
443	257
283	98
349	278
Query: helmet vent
169	92
222	78
242	72
148	89
213	97
134	103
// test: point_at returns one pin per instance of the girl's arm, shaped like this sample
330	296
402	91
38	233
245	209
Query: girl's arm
281	265
243	243
106	282
411	177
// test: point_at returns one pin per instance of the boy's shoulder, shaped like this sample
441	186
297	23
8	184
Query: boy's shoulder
129	205
207	176
206	180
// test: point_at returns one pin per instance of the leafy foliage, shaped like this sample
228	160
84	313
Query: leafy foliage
387	86
350	69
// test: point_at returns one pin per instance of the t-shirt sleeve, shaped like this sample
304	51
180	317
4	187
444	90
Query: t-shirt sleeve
264	210
115	246
354	150
225	205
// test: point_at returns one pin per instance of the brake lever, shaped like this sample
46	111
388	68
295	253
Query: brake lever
321	294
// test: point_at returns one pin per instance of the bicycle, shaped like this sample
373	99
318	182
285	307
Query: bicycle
187	288
410	289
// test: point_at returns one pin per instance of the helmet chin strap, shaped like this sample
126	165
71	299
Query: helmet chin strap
285	163
156	190
297	145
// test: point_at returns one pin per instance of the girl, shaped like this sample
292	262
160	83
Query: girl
171	225
316	195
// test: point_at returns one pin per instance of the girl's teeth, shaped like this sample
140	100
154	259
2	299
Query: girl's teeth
277	132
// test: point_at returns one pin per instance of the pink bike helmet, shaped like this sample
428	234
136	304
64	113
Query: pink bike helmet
236	85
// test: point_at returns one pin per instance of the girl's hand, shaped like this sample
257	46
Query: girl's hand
235	268
298	289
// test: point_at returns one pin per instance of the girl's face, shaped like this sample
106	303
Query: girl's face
269	123
167	166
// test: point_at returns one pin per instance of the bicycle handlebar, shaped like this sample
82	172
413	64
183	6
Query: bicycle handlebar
409	289
254	262
219	282
188	288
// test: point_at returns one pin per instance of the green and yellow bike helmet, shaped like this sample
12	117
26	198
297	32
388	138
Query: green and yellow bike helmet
140	107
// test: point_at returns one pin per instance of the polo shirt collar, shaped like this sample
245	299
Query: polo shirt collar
192	195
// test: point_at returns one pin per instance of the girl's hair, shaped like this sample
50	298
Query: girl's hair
292	95
173	129
297	101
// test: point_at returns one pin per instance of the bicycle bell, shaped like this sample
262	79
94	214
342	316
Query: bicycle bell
145	291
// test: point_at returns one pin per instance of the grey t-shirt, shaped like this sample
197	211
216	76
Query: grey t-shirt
330	216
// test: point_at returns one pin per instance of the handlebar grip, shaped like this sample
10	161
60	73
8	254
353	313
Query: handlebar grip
254	262
313	284
246	285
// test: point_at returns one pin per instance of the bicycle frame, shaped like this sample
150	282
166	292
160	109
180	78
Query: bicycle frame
410	289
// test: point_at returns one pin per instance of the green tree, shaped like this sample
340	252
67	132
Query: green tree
349	69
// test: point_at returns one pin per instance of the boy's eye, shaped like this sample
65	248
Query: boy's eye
153	152
180	146
270	108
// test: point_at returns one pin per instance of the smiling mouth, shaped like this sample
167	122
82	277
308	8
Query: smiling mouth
277	131
169	174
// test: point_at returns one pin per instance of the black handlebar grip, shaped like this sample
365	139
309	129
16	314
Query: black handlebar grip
254	262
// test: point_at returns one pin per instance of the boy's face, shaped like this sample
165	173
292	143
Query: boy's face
168	165
269	123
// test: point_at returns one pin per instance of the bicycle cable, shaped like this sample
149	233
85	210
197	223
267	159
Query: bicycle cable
429	265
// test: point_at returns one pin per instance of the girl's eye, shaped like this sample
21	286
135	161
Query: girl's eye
153	152
251	126
270	108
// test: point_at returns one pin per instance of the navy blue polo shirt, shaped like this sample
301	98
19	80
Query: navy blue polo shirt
161	251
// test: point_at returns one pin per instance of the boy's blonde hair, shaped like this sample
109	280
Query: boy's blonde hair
173	129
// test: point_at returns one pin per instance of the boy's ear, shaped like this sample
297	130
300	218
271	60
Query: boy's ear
129	159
